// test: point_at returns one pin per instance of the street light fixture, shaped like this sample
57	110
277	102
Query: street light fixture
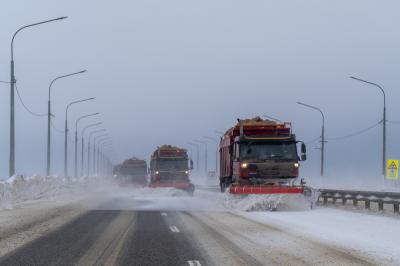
49	116
216	153
205	153
383	122
197	154
83	143
12	84
66	133
322	134
76	139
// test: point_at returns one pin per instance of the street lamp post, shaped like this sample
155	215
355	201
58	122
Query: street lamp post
49	117
205	154
383	122
12	84
216	151
197	154
96	159
322	134
101	146
104	166
76	139
89	141
66	133
96	138
83	144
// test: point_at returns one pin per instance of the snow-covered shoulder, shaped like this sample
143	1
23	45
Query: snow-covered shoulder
373	235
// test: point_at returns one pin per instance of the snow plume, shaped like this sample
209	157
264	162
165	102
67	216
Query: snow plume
271	202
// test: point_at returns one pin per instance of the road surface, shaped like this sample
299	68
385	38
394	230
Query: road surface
112	236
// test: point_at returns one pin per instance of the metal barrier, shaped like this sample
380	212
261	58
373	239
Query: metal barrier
367	197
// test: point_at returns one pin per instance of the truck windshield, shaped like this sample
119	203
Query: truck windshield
268	151
134	170
175	165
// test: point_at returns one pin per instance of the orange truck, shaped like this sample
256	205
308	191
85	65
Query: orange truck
170	166
260	157
131	171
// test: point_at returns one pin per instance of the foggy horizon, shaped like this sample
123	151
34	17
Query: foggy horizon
169	73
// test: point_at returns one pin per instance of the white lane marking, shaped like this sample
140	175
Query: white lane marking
174	229
164	214
194	263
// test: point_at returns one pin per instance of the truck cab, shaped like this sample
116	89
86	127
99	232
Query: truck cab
164	169
170	167
132	171
265	160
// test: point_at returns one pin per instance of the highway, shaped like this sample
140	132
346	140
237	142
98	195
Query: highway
113	234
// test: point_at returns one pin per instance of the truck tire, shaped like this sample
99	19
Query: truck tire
222	184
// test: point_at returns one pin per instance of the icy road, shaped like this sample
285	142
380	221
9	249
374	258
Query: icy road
159	227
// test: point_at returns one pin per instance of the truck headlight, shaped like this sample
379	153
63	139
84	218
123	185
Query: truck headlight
296	165
186	172
244	165
157	172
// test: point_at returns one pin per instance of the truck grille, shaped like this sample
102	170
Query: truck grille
268	172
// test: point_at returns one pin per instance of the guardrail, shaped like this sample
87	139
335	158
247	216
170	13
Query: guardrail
391	198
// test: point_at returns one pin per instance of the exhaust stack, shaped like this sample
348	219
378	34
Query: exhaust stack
241	126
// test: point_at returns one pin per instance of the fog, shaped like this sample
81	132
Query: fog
174	71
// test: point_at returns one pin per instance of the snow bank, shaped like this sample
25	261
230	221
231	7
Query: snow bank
371	234
354	182
19	188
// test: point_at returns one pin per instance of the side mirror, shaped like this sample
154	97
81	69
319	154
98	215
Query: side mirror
303	152
191	164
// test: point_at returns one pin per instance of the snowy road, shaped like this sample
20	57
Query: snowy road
147	227
125	226
110	237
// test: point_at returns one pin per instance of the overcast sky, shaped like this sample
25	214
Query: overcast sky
174	71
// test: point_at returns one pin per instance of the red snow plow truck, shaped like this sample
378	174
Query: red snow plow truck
260	157
131	171
170	167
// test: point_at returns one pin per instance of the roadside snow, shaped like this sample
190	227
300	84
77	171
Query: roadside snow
32	206
19	188
370	234
31	219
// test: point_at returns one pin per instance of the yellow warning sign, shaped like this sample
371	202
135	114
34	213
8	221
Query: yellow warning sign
392	169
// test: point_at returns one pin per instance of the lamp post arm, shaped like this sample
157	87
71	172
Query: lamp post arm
74	102
82	117
27	26
89	126
374	84
315	108
63	76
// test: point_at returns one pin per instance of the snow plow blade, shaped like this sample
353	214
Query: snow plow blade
180	185
263	189
189	187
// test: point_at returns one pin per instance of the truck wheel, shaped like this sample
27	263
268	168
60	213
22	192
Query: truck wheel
190	190
223	186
